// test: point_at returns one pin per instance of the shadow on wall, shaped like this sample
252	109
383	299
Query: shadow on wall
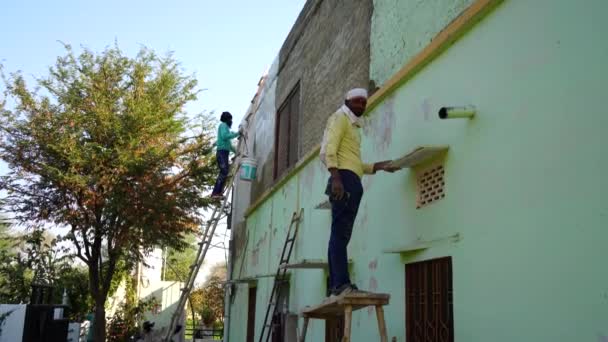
167	295
12	321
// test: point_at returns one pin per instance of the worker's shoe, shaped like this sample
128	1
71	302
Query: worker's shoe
217	197
344	290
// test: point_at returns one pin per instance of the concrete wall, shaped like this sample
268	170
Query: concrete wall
260	133
525	186
327	51
167	293
401	29
12	326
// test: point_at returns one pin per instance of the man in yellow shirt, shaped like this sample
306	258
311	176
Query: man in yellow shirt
341	154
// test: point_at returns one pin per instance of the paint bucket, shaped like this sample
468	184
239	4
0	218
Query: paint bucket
249	168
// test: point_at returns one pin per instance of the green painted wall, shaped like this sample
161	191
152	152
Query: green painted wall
402	28
525	185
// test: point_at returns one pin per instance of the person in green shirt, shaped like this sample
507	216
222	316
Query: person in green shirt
224	147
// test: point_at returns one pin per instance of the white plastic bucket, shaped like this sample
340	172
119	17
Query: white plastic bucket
249	168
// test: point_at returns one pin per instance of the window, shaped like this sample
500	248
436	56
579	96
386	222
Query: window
286	133
431	185
251	314
429	301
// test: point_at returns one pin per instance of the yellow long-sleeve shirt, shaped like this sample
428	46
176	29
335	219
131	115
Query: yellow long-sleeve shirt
341	147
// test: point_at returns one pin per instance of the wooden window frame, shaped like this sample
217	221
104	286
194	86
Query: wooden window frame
293	132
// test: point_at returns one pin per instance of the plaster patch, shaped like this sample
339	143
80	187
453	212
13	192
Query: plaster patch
373	284
380	126
426	109
255	252
373	265
364	217
308	178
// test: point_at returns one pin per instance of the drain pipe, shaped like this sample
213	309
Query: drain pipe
463	112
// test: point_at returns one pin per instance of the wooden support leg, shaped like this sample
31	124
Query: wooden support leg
304	328
381	323
348	319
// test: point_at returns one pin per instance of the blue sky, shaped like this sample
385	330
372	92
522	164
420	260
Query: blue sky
227	44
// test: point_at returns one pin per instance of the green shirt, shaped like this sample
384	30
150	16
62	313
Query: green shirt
224	136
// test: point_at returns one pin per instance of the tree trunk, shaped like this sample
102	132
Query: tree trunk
99	296
100	319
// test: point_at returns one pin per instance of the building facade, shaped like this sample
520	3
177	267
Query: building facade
500	234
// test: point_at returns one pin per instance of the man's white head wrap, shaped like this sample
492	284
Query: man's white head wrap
357	92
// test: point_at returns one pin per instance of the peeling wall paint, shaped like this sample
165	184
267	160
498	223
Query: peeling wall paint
263	133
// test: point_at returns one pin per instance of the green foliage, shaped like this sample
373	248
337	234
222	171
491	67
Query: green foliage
36	257
208	316
75	279
178	261
209	298
32	258
105	149
127	318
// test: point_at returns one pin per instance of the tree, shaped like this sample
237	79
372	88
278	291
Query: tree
106	150
75	280
6	249
32	258
208	300
5	238
178	261
36	257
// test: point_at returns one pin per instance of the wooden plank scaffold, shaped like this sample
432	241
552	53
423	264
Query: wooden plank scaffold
345	305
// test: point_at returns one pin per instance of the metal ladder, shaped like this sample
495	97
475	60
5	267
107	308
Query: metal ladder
292	232
219	212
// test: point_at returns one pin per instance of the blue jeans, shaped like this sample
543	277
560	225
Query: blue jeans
222	163
343	214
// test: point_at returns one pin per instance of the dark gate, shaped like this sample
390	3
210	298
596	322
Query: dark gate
429	301
40	326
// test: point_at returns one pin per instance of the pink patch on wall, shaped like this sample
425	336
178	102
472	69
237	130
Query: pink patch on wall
255	257
426	109
368	181
308	178
380	126
373	265
364	216
373	284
